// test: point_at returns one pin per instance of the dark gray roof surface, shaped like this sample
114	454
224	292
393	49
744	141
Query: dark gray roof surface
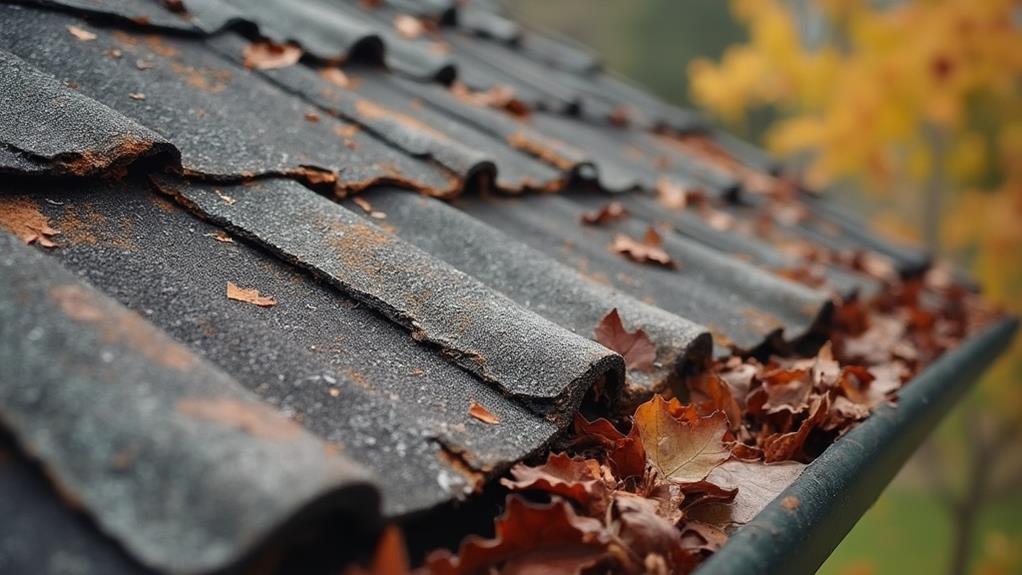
158	424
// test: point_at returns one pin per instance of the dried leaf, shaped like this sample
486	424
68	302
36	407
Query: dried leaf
249	295
635	347
624	452
757	483
787	390
649	250
788	446
530	538
482	414
265	55
644	532
580	480
684	451
710	393
81	34
608	213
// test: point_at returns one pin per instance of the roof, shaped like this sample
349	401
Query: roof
398	213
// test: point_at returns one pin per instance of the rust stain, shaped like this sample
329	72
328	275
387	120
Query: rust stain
82	225
121	327
157	45
208	80
125	150
790	503
521	141
761	321
372	111
358	378
22	217
255	419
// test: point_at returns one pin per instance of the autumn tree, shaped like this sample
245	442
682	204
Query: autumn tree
918	103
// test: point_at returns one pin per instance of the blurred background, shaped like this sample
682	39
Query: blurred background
909	112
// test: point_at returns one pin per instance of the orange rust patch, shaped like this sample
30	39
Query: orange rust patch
357	378
315	176
521	141
761	321
790	503
255	419
22	217
83	225
373	111
121	327
209	80
158	46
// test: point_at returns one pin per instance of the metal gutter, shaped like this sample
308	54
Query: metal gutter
799	529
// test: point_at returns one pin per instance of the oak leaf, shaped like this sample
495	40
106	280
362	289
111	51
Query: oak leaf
649	250
638	351
529	538
683	451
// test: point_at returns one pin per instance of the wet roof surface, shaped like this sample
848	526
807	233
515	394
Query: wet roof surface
210	344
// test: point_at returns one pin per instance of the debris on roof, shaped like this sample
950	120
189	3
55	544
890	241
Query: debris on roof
276	274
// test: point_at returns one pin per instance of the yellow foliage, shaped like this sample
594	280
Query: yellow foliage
897	95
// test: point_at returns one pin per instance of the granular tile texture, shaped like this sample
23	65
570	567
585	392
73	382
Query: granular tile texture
249	301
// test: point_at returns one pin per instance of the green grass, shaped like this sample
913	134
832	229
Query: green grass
908	531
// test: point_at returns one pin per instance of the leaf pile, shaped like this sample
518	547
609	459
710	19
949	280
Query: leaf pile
662	496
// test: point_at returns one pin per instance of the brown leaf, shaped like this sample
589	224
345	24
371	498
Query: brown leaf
710	393
787	389
681	451
788	446
757	483
699	537
608	213
81	33
624	452
580	480
482	414
644	532
530	538
649	250
249	295
265	55
635	347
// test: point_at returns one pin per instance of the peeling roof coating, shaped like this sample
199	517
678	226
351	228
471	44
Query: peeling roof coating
738	301
352	377
431	344
258	469
541	284
90	139
224	120
480	329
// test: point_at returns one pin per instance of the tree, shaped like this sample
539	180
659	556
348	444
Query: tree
919	103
